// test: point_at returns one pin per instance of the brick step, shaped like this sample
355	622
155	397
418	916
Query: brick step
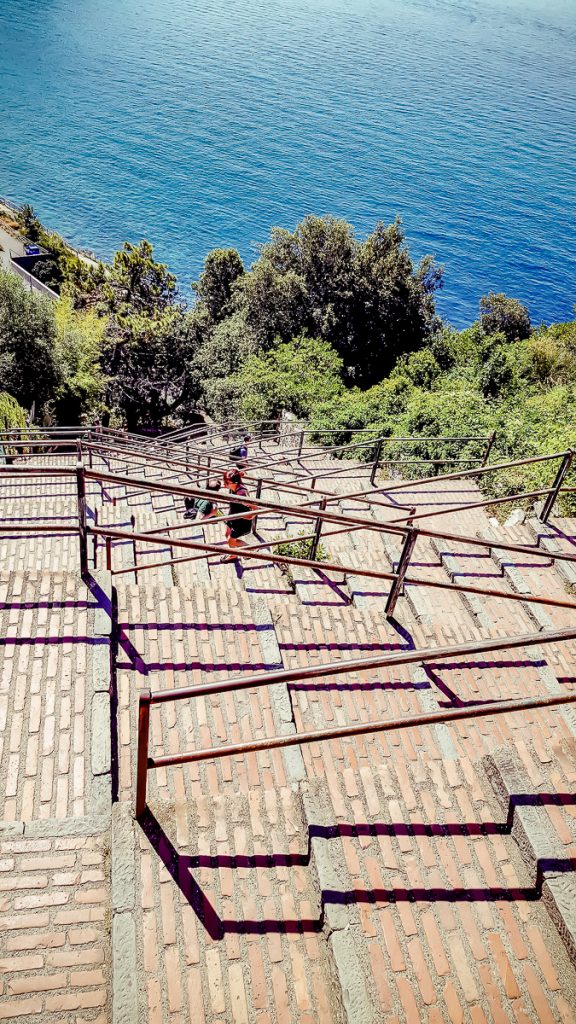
557	535
180	636
54	700
229	917
536	670
434	916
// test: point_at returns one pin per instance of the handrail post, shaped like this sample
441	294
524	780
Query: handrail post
95	541
82	529
142	755
317	533
377	454
109	553
551	499
405	556
258	495
489	447
134	550
301	443
208	465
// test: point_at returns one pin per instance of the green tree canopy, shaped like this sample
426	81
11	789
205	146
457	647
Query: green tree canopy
366	299
149	368
137	283
79	349
222	268
502	315
295	376
29	368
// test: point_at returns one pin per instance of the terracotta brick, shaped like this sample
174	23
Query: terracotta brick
300	978
75	957
8	924
173	987
258	987
280	988
90	896
379	973
421	971
237	994
407	997
539	998
195	1001
22	963
215	985
44	899
76	1000
435	945
85	978
77	936
36	983
503	966
453	1004
391	939
19	1008
154	993
44	940
543	958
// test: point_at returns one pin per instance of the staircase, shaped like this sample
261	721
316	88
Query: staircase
423	874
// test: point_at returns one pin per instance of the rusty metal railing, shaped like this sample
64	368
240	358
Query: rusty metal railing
148	698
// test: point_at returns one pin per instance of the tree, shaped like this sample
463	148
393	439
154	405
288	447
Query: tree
296	376
220	354
222	268
79	347
366	299
49	273
273	304
137	283
395	311
149	366
28	222
29	367
12	416
502	315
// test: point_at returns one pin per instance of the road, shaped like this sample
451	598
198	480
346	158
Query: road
9	244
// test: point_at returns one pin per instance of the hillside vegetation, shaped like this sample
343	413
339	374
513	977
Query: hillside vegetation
337	330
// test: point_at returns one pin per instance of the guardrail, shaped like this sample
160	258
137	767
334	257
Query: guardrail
319	518
148	698
346	523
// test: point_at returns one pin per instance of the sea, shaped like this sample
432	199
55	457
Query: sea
203	123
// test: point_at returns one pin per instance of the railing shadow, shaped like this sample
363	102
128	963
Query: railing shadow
181	866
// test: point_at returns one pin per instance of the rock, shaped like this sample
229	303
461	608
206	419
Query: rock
516	517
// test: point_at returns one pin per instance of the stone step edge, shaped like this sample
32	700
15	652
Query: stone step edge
339	924
537	841
548	542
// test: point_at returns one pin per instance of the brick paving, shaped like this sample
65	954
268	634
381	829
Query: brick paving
376	879
54	942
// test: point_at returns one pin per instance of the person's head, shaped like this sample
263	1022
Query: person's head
232	479
214	485
247	438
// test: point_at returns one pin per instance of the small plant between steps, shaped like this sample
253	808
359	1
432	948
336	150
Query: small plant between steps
298	548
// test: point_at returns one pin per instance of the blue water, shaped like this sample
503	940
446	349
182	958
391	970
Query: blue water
202	123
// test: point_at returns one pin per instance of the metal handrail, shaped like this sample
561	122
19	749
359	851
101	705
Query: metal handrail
327	567
147	698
